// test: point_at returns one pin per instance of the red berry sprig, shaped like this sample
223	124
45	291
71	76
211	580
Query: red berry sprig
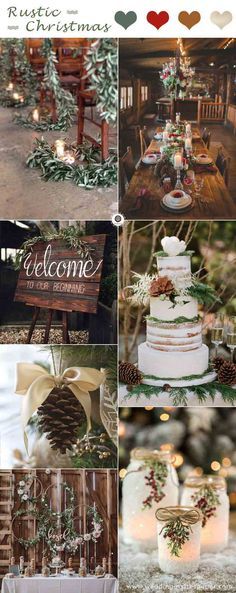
206	500
155	480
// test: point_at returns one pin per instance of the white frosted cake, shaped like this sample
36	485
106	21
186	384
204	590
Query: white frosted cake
173	348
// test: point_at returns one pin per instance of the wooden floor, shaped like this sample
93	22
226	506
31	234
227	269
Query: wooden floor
220	135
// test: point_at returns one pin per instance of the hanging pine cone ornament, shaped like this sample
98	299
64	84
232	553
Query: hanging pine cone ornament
217	362
60	416
161	285
227	373
129	374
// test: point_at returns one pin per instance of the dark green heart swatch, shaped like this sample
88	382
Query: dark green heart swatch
125	19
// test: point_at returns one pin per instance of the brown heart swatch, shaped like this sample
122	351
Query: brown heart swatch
189	19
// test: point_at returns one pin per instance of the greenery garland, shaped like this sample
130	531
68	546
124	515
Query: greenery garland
173	321
20	68
47	520
88	174
101	69
65	103
71	235
180	395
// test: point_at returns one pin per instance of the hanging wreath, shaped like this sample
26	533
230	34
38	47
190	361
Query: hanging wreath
55	529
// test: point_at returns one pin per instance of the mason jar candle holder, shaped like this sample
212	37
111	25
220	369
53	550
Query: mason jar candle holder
209	495
179	536
151	481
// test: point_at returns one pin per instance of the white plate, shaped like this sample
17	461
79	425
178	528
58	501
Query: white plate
203	159
146	160
184	203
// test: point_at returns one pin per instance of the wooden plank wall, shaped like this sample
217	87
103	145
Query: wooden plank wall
99	486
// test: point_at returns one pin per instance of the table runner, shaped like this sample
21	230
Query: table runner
61	584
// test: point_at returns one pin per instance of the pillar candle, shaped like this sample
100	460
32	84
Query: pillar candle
165	136
214	536
178	160
177	118
139	522
168	126
21	562
188	128
188	144
35	115
188	557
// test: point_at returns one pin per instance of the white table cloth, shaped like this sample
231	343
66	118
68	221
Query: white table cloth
59	584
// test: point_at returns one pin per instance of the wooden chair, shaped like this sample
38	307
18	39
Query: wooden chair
128	163
143	143
223	164
206	137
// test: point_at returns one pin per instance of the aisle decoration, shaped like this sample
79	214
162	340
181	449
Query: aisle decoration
18	82
101	71
82	167
62	111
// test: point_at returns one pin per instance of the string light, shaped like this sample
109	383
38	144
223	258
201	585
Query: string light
178	460
228	43
122	473
164	417
226	462
149	408
215	465
121	429
167	447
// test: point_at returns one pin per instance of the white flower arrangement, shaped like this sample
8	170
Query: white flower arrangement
87	537
173	246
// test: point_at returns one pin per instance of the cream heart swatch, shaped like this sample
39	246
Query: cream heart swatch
221	19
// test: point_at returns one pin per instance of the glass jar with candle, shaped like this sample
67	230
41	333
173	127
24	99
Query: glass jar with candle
208	493
179	535
150	482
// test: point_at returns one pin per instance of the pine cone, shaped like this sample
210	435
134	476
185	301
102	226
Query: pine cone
217	362
129	374
161	285
60	417
227	373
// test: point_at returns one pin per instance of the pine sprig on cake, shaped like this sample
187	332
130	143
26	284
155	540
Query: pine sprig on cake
173	321
203	293
164	254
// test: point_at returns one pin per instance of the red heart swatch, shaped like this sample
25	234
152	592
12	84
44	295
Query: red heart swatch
157	20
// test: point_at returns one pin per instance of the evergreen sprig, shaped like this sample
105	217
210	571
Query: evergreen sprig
178	320
206	500
180	395
203	293
177	534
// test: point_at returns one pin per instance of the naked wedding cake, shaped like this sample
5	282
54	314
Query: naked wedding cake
173	348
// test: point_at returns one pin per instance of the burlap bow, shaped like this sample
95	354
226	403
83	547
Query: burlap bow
35	383
187	515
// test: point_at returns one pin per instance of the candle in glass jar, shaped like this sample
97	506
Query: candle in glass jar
10	86
175	557
212	489
35	115
15	96
60	148
178	160
139	522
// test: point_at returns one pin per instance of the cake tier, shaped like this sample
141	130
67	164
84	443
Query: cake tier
164	310
172	365
172	337
177	268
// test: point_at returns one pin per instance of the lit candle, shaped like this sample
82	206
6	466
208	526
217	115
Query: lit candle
188	144
35	114
170	521
139	522
178	160
60	148
188	128
168	126
10	86
214	536
177	118
15	96
68	157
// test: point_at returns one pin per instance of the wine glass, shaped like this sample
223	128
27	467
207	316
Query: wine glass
217	332
198	184
231	336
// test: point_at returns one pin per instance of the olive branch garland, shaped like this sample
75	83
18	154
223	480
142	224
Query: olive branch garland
155	480
206	500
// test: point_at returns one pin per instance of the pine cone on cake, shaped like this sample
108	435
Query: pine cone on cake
217	362
161	285
129	374
227	373
59	418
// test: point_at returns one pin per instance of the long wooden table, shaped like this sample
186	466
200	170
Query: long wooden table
214	202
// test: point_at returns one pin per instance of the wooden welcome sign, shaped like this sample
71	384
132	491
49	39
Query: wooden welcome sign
53	276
